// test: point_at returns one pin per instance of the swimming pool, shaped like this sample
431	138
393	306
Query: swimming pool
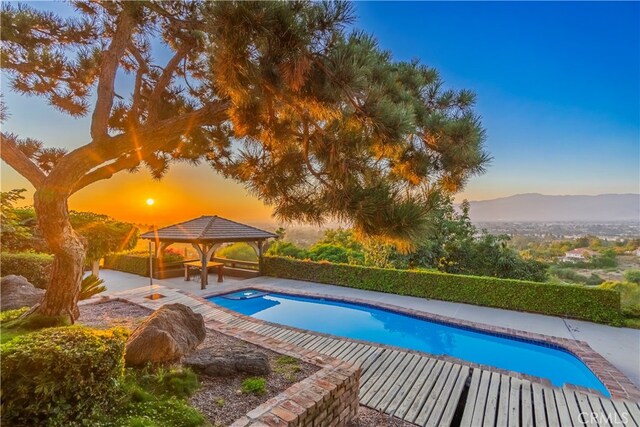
382	326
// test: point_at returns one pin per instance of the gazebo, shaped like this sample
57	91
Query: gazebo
206	234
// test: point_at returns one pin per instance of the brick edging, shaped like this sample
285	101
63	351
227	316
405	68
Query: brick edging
613	379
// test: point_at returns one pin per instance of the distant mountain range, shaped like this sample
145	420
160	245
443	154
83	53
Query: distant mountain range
539	207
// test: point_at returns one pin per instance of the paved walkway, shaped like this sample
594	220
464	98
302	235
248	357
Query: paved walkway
424	390
620	346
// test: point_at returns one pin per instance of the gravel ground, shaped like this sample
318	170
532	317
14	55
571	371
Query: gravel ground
221	399
370	418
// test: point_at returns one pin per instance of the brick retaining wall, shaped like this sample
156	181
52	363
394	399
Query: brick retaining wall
329	397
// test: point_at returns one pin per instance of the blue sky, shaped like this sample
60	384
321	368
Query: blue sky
558	85
558	88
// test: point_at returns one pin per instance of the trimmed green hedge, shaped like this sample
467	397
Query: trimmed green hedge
597	305
129	263
35	267
60	376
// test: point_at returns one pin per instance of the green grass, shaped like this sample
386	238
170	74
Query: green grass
7	332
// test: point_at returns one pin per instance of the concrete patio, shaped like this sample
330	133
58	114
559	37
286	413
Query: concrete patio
620	346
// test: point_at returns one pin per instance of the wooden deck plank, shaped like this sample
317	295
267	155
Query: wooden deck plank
585	407
404	382
351	346
351	351
538	405
471	398
440	403
425	390
329	349
408	400
503	401
614	417
315	340
491	407
481	399
550	404
384	353
358	353
306	340
514	402
449	410
425	408
378	367
563	410
572	406
526	408
403	366
633	410
596	406
323	343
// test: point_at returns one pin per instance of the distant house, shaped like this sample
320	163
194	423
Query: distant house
636	252
578	255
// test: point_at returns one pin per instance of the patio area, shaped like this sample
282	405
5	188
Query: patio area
618	345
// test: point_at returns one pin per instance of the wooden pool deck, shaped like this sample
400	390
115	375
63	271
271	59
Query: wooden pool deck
425	390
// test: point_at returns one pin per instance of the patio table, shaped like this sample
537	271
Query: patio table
198	264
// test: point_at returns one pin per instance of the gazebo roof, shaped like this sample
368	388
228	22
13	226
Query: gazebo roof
209	229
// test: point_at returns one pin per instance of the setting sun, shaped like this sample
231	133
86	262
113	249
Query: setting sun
150	202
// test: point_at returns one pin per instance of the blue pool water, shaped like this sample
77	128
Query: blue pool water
363	322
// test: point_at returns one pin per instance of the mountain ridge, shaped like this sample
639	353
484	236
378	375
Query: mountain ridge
537	207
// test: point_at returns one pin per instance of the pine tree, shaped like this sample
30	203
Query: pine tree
314	121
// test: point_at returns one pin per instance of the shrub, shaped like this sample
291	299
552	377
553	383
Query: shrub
90	286
8	315
239	251
632	276
595	304
59	376
255	385
134	263
35	267
629	295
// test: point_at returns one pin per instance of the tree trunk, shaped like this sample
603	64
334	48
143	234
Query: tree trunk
61	297
95	267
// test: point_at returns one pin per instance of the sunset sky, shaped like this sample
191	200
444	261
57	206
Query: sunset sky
558	88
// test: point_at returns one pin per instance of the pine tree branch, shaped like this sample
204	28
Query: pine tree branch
140	72
109	66
305	148
10	153
124	153
163	82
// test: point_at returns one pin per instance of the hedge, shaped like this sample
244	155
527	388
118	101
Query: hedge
129	263
35	267
597	305
60	376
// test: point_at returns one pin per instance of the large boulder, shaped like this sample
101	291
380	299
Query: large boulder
168	334
17	292
228	362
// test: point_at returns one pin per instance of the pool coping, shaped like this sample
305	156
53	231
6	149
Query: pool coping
618	385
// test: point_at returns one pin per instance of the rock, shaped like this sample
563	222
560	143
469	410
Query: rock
228	362
17	292
168	334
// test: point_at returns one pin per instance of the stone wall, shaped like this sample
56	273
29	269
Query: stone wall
327	398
